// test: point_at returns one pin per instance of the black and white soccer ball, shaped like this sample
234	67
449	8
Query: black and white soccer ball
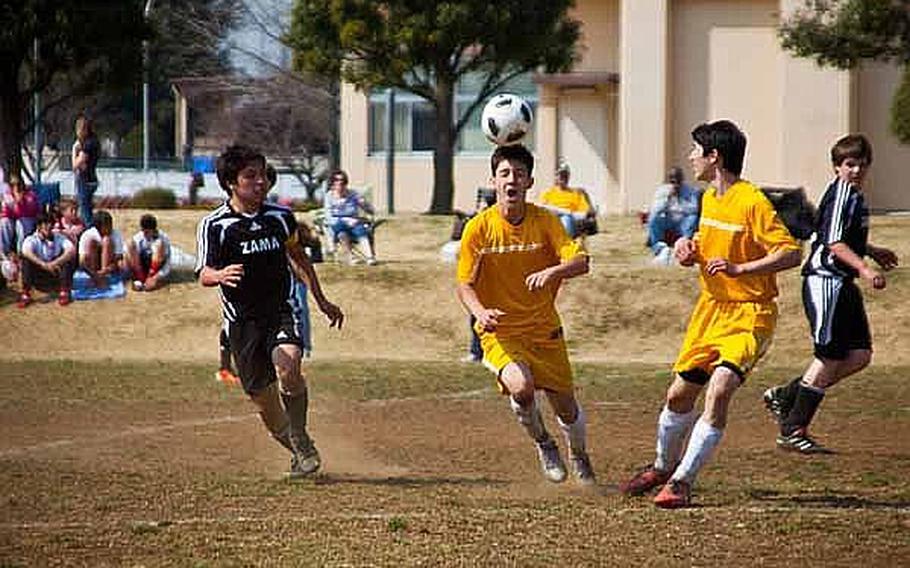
506	119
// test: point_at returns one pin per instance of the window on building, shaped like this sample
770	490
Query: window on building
415	120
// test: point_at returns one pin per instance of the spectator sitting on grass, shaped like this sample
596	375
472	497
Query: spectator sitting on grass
68	223
101	250
47	260
149	255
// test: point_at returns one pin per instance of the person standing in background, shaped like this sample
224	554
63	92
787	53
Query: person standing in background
86	151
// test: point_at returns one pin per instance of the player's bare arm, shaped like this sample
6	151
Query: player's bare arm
303	269
230	275
772	262
555	274
487	317
845	254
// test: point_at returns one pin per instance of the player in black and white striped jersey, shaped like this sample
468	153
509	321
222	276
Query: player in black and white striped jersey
832	301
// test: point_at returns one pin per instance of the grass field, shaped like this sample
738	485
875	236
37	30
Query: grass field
120	450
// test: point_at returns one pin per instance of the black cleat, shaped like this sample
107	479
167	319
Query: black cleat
800	441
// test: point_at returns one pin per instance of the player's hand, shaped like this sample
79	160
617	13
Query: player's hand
539	279
230	275
685	250
723	266
874	277
883	257
333	313
489	318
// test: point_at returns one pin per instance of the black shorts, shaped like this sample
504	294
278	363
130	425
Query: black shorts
837	317
252	342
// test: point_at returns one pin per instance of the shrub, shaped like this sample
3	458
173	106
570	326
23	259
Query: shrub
154	198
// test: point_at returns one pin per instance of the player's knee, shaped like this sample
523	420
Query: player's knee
860	359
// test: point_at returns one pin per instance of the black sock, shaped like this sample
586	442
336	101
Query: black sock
789	395
296	409
224	347
805	404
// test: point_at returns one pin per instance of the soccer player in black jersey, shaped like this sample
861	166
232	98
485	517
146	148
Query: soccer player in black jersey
833	303
245	247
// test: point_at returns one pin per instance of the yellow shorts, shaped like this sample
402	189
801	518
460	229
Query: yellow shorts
733	334
546	357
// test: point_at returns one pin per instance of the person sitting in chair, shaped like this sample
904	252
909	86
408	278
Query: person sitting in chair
343	217
673	214
570	204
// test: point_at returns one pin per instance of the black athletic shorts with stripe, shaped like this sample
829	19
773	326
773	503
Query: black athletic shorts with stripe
837	317
252	341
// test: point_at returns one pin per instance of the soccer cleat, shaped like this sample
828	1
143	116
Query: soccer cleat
63	298
228	378
304	463
676	494
581	468
800	441
644	481
776	402
24	300
550	462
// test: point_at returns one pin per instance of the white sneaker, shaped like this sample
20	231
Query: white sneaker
304	464
138	285
550	461
664	256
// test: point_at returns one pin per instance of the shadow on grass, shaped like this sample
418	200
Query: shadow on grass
829	500
406	481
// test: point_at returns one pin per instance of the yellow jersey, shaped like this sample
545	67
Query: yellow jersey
570	199
741	225
497	256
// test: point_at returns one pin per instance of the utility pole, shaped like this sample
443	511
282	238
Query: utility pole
390	150
36	101
145	92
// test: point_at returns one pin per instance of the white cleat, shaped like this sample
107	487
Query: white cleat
550	461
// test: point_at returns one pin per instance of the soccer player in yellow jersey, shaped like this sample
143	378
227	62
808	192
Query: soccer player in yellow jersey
740	245
513	258
568	203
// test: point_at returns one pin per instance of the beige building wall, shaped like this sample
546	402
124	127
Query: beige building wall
885	187
643	99
699	29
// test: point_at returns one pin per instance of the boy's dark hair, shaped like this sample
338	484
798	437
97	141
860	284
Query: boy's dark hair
45	218
338	173
516	152
854	146
103	219
271	174
148	222
232	160
727	139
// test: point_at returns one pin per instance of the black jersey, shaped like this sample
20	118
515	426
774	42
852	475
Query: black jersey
258	242
842	217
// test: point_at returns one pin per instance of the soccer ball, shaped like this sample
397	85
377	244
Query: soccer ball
506	119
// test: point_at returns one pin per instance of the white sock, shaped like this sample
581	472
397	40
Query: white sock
364	243
704	440
575	432
672	430
529	417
